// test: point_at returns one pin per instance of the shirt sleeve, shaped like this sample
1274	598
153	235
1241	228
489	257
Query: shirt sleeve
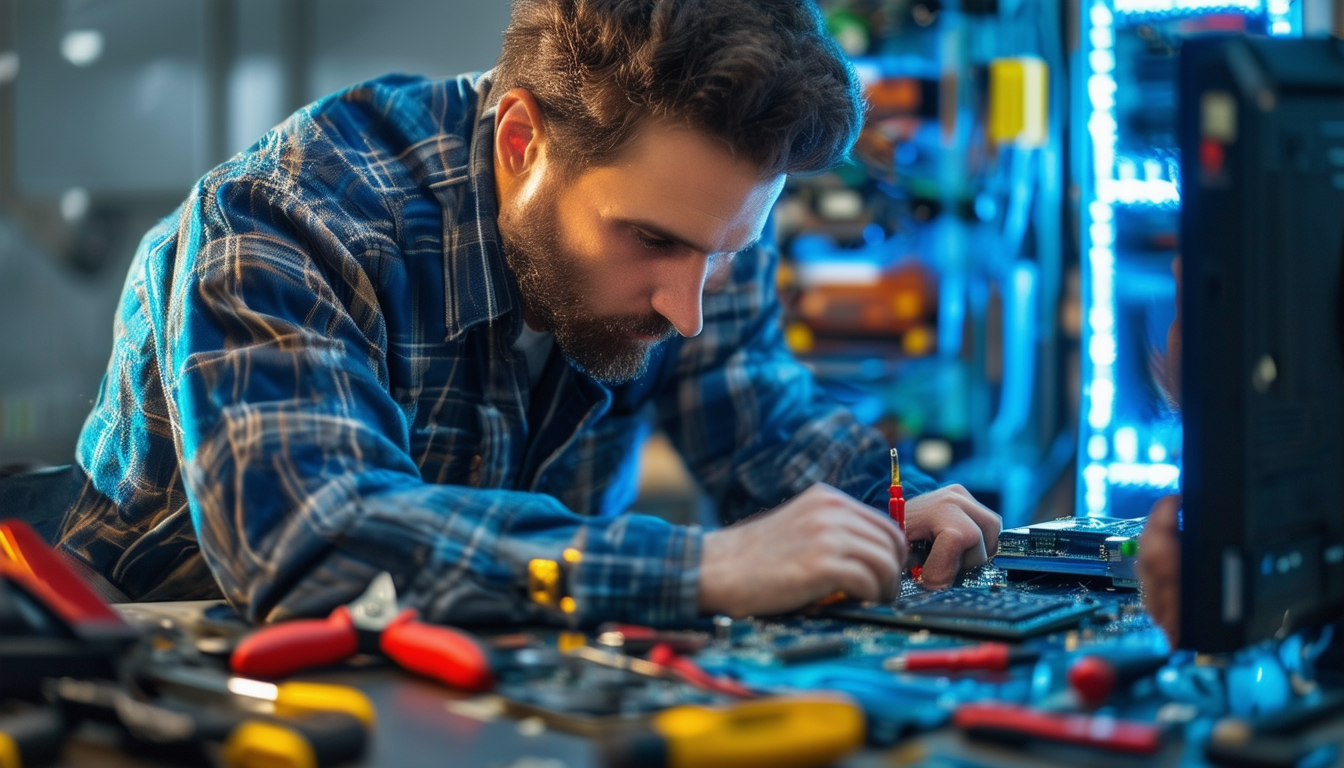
296	457
750	419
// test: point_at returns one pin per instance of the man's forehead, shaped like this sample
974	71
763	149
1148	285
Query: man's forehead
688	184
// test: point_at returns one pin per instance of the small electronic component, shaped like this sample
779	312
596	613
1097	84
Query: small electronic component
1002	613
1101	547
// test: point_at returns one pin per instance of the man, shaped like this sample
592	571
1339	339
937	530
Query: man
422	327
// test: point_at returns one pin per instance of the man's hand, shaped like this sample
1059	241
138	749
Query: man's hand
820	542
1160	567
964	532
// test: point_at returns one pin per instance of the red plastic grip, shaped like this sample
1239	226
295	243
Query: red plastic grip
1094	679
994	657
1016	723
292	646
896	506
664	656
447	655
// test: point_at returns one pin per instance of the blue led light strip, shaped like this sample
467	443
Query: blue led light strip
1281	22
1192	7
1098	233
1109	454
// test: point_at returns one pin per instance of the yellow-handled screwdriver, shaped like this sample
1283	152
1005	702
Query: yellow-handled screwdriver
777	732
212	687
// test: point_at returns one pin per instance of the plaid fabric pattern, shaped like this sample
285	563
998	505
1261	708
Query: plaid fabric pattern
314	380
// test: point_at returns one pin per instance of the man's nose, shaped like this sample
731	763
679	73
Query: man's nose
681	287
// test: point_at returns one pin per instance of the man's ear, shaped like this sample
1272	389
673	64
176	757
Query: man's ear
519	133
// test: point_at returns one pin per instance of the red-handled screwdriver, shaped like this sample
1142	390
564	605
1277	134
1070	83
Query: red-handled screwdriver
1095	678
988	657
896	504
1016	724
371	624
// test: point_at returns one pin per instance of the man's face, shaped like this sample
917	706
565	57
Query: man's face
614	259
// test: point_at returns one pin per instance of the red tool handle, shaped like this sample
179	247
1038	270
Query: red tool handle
447	655
896	506
994	657
664	655
292	646
1095	677
1005	722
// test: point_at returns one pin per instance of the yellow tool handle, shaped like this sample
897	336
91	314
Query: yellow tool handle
257	744
9	753
780	732
297	699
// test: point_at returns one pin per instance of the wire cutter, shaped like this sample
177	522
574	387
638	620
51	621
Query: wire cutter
373	623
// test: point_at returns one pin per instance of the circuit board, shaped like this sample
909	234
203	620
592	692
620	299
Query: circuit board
1100	547
982	604
1002	614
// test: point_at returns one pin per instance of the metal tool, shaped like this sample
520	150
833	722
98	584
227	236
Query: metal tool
985	657
1014	724
30	735
373	623
184	732
896	502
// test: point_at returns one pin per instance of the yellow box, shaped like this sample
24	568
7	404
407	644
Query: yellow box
1018	98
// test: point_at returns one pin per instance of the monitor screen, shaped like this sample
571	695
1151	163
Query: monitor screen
1262	393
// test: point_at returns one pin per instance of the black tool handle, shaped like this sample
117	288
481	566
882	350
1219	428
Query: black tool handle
35	734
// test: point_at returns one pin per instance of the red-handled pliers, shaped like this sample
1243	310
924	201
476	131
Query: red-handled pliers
370	624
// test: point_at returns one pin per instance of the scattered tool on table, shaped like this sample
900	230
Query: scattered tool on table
896	504
985	657
373	623
1095	677
52	624
1020	725
778	732
173	729
638	639
30	735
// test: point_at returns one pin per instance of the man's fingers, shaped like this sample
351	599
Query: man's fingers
872	524
882	532
881	562
1160	566
1164	514
984	518
944	560
847	513
974	555
857	581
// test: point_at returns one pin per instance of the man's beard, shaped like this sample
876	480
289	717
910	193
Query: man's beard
553	283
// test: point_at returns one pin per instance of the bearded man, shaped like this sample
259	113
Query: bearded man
423	327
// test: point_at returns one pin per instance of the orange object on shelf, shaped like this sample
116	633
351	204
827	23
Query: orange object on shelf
897	300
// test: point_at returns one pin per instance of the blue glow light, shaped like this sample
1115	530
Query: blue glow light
1127	444
1163	477
1097	448
1098	227
1111	454
1164	7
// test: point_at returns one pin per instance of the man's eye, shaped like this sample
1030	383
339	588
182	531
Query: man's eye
653	243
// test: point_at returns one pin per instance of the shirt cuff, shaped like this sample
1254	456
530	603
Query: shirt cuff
640	570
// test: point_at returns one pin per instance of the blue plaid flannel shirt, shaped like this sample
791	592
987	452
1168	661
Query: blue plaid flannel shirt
314	380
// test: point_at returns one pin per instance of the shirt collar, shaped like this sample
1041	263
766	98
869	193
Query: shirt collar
478	285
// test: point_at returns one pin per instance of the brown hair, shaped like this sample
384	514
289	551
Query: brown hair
763	75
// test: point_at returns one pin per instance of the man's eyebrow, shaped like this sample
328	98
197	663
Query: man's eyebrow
662	234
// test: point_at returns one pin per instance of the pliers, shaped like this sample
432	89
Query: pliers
373	623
